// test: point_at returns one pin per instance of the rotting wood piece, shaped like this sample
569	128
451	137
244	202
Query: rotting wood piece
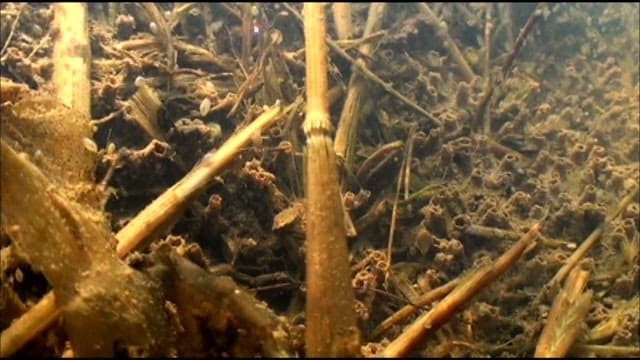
439	314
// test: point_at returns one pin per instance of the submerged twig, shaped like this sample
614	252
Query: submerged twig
446	308
591	239
342	18
531	21
72	58
447	40
488	26
13	28
148	222
407	310
29	325
162	212
481	108
371	76
605	351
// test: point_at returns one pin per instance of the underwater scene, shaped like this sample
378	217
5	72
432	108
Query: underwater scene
320	179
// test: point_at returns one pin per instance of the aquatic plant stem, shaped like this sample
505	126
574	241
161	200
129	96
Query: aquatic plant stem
162	212
407	310
589	241
371	76
447	40
565	317
29	325
353	109
445	309
331	328
531	21
72	57
146	224
342	18
482	119
488	26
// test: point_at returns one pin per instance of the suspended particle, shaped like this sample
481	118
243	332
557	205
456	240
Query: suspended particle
90	145
153	28
205	106
138	82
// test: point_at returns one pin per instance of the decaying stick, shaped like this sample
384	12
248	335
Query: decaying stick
29	325
371	76
531	21
403	178
331	328
163	211
506	14
506	68
142	226
589	241
445	309
407	310
246	34
447	40
565	317
352	110
488	26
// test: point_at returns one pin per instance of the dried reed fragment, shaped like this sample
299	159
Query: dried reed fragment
445	309
331	328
